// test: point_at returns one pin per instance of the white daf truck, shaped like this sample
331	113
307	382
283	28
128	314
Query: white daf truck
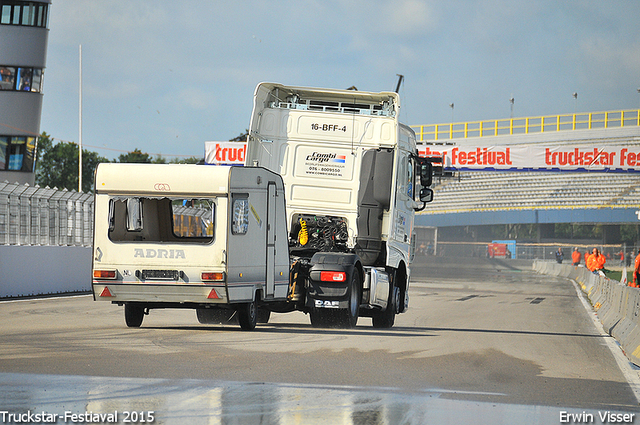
353	181
320	220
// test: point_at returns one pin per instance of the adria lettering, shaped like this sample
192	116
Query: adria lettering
159	253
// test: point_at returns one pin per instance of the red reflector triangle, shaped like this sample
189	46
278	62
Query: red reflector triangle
213	295
106	293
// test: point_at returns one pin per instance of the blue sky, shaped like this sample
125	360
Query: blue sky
166	76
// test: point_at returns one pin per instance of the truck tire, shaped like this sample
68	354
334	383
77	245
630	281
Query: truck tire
133	315
248	316
386	319
349	317
214	316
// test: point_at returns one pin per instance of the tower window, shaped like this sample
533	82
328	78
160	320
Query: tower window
24	13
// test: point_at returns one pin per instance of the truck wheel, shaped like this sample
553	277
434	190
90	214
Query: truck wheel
248	316
349	317
263	315
133	315
386	319
213	316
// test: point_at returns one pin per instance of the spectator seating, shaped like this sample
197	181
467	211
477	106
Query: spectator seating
485	191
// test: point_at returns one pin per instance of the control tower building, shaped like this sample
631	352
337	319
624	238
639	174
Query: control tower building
24	36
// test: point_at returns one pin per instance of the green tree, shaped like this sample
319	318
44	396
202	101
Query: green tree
135	156
629	233
190	160
57	165
242	137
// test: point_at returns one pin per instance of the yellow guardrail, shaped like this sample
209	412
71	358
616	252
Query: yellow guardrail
528	125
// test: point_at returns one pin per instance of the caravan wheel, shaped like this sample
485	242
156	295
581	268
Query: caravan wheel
248	316
263	315
133	315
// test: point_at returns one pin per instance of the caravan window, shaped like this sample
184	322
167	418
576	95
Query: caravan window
240	223
136	219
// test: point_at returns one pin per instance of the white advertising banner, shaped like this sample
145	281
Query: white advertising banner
227	153
537	157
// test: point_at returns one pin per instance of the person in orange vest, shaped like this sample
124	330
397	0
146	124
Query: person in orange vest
596	261
600	261
636	273
576	256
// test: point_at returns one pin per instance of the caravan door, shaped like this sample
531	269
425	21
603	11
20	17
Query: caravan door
271	240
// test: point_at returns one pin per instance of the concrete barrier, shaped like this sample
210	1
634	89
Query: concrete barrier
612	316
43	270
629	319
617	306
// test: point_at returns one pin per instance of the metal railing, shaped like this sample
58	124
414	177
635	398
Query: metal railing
32	215
528	125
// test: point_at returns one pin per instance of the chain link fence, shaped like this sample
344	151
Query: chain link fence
617	254
32	215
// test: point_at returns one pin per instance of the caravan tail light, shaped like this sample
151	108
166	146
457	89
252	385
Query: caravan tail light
333	276
212	276
104	274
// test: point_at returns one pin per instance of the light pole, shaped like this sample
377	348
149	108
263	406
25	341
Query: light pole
512	101
451	125
80	122
575	96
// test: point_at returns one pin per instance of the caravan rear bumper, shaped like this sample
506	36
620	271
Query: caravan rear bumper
162	293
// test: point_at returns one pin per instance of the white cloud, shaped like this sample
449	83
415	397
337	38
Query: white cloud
410	17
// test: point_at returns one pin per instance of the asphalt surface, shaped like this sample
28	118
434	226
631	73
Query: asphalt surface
489	338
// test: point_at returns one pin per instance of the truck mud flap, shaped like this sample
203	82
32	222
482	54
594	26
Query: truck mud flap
322	286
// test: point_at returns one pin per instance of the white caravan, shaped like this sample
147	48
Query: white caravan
211	238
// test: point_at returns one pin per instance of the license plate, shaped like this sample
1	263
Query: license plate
160	274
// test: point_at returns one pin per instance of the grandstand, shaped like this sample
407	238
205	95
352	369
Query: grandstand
482	191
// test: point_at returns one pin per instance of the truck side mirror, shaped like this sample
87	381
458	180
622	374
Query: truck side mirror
426	195
425	171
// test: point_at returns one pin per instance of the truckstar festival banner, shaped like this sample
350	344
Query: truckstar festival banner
227	153
537	157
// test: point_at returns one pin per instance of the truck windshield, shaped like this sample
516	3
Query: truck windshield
142	219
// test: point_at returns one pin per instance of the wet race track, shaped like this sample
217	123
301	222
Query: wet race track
483	342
